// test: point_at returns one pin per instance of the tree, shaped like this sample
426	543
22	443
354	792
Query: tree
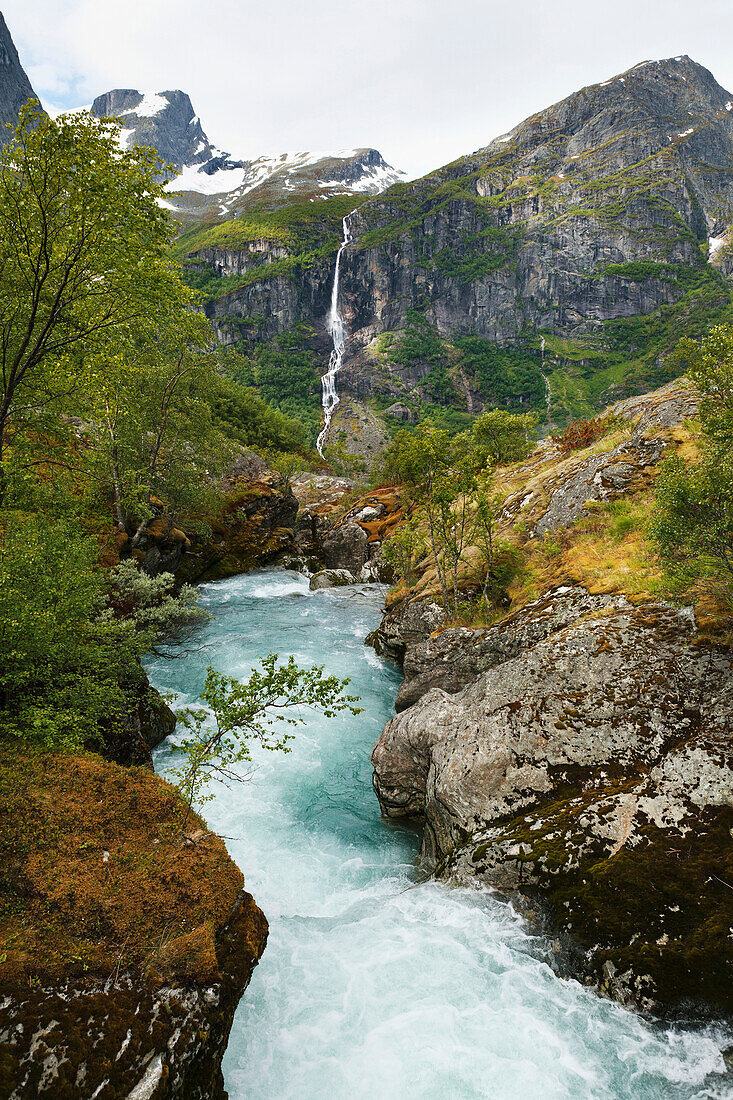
439	473
404	549
71	636
420	460
166	614
692	522
83	255
285	463
501	437
158	439
709	364
239	714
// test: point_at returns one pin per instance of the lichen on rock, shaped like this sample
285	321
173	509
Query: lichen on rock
588	760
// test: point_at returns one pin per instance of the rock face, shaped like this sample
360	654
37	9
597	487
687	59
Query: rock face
330	578
578	752
405	626
256	524
127	1041
166	121
126	936
588	761
572	232
15	87
150	722
531	230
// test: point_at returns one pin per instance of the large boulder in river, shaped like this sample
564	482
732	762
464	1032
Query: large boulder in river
331	578
588	761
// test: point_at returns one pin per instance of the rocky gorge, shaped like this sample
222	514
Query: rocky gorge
576	753
554	771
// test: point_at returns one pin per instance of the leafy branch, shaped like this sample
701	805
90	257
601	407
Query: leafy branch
239	714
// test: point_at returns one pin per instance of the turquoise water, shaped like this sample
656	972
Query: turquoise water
373	985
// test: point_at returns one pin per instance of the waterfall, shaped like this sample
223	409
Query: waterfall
335	326
548	395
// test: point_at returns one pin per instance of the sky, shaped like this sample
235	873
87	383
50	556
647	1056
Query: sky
423	81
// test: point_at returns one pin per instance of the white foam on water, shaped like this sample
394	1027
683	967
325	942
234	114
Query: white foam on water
375	986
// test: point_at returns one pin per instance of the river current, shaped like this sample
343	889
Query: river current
375	985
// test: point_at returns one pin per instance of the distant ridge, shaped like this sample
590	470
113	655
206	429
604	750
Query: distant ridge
206	181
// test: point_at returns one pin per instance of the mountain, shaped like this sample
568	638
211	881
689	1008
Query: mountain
207	182
571	252
164	120
15	87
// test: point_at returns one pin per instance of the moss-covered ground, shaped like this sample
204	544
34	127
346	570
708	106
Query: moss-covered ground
98	877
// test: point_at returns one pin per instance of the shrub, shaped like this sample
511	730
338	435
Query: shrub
581	433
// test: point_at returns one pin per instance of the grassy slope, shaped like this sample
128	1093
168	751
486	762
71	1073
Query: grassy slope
309	231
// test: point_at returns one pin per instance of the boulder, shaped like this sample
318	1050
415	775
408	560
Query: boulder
587	761
331	578
406	625
346	547
128	942
400	411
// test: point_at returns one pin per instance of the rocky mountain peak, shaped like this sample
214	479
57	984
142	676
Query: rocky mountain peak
207	181
164	120
15	87
669	99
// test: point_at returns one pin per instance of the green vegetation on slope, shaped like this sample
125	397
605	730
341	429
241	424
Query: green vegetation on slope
693	517
300	226
284	371
310	232
117	419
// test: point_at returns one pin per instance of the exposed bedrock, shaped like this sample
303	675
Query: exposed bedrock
582	750
127	936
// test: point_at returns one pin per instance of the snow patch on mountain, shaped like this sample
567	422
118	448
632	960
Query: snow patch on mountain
152	104
207	180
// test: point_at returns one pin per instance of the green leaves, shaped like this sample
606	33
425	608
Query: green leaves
501	437
71	636
692	522
62	655
85	278
239	714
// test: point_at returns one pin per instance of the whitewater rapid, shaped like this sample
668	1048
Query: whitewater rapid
375	985
337	330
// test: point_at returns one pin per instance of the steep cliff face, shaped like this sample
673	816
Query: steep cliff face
15	87
579	246
530	230
166	121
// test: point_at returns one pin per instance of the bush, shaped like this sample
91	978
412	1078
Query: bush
581	433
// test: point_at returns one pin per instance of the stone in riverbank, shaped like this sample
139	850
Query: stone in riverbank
331	578
589	763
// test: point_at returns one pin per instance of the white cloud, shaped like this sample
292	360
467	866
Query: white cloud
421	81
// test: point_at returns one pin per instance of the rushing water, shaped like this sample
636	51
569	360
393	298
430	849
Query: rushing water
375	986
337	329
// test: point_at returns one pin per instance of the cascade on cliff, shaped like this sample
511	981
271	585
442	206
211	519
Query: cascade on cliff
337	330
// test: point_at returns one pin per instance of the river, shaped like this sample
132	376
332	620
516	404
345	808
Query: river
376	985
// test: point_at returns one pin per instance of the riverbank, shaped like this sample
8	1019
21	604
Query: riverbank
126	942
376	982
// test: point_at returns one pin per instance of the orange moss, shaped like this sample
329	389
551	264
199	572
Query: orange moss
96	876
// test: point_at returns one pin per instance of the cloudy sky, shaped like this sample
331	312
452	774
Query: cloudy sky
424	81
